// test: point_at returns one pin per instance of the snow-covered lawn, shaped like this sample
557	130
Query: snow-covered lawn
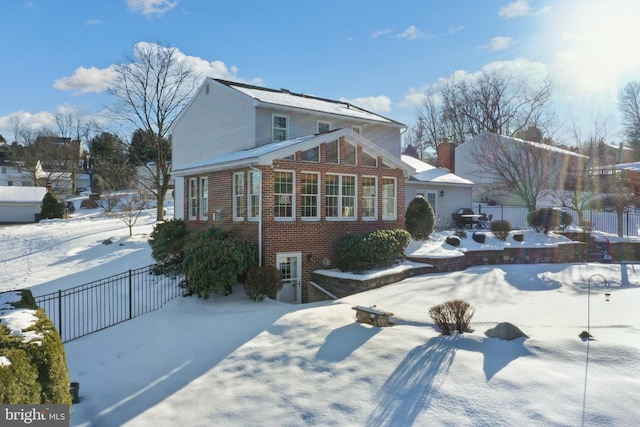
227	361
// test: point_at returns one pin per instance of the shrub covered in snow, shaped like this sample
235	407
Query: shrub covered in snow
33	364
453	240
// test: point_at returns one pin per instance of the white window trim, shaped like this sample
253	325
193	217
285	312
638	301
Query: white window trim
273	128
236	196
395	198
375	199
293	198
318	200
203	199
340	196
193	196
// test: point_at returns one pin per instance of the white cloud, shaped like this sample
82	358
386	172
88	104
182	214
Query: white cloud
90	22
499	43
151	7
379	33
411	33
414	97
521	8
95	80
87	80
378	104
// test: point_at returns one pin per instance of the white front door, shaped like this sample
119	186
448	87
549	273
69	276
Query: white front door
290	266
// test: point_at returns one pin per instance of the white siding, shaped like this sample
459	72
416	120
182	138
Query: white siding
222	121
455	197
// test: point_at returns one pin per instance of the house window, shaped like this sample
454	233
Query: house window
340	198
333	153
389	198
357	129
310	195
369	197
193	198
311	155
368	160
280	127
204	197
255	183
238	196
283	195
349	154
4	171
323	126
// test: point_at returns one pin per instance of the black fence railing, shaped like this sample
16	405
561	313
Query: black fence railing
97	305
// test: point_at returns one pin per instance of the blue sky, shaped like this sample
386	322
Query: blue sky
380	55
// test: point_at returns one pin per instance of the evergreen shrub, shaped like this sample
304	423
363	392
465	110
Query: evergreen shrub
214	262
501	229
51	208
518	237
38	372
453	240
357	252
167	246
262	282
420	218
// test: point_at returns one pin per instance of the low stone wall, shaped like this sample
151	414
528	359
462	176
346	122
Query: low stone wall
342	287
564	253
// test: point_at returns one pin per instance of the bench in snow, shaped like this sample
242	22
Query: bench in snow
372	315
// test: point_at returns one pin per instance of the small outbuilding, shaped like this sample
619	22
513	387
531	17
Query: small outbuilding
20	204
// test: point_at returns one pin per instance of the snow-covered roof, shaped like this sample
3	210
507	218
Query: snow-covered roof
13	194
427	173
633	166
266	154
503	138
290	99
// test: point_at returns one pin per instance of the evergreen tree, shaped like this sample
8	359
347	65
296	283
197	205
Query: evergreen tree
51	208
420	218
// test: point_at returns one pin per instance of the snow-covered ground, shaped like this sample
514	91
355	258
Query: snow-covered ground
227	361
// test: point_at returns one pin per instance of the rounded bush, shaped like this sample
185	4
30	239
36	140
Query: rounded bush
357	252
518	237
420	218
547	219
167	246
51	208
478	237
501	229
453	240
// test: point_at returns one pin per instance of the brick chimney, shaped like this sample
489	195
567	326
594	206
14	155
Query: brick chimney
447	156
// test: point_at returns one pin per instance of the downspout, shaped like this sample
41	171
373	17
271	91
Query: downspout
259	216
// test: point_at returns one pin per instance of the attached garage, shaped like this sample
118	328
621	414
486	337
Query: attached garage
20	204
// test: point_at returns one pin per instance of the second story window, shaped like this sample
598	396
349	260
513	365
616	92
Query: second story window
349	154
311	155
323	126
280	127
283	195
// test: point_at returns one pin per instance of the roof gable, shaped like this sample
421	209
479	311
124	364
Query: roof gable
266	154
427	173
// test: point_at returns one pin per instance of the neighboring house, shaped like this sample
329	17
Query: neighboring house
445	191
11	176
290	172
20	204
559	163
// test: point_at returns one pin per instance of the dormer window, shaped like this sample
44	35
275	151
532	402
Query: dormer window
280	127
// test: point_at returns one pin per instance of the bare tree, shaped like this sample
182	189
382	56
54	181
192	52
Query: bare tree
493	101
151	90
629	106
128	207
518	167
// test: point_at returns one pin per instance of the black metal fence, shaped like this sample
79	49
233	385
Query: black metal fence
94	306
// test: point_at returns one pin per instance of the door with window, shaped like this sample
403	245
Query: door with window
290	266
